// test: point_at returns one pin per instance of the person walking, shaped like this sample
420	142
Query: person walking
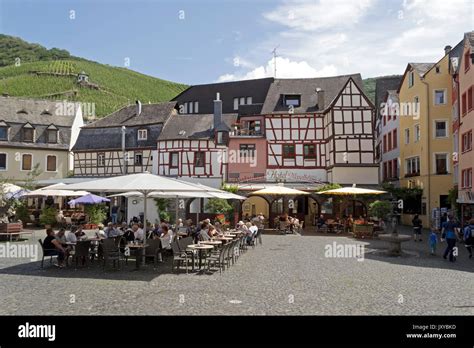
468	237
417	226
433	240
448	233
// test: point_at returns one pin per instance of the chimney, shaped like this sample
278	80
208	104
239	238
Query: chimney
447	49
217	111
320	98
139	107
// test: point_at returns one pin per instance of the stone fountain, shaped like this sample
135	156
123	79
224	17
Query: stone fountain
394	239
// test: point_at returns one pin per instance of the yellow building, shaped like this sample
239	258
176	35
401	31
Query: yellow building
426	144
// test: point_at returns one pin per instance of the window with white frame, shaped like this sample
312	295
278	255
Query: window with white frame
174	159
466	178
196	107
51	163
241	101
417	136
440	96
466	143
441	163
142	134
3	161
26	161
407	136
101	159
3	131
412	166
138	158
441	129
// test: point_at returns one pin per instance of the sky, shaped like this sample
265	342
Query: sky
205	41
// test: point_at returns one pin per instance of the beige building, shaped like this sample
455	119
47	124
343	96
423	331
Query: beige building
37	134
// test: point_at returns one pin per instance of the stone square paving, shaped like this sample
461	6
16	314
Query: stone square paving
287	275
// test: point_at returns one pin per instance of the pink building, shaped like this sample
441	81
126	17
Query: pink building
466	126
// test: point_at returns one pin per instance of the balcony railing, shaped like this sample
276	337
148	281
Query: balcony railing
246	132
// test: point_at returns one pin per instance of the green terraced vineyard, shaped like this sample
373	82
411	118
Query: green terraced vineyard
118	86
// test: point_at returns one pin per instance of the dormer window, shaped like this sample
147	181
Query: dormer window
3	130
189	108
222	137
242	101
28	133
292	100
142	134
52	134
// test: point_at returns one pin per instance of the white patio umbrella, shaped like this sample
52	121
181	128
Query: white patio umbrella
144	183
279	191
351	191
54	193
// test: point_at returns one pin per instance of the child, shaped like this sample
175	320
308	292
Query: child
433	240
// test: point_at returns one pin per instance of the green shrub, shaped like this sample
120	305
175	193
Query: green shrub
22	213
97	213
380	209
48	216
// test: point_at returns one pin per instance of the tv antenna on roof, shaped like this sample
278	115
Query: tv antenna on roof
274	52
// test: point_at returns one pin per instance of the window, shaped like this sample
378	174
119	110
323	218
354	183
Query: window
389	169
416	104
247	150
467	61
440	96
101	159
142	134
174	159
309	151
190	107
249	100
138	158
469	99
242	101
51	163
3	161
384	173
184	108
385	149
255	127
52	136
441	130
199	159
395	140
236	103
466	144
28	134
417	133
411	79
221	138
407	136
412	166
438	70
289	151
441	163
389	142
3	133
26	161
464	104
466	178
196	107
292	100
395	168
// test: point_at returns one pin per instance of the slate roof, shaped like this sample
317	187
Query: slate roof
421	68
456	52
383	85
307	89
206	94
110	138
127	116
17	112
195	126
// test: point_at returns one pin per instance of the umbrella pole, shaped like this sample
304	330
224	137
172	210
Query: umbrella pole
145	197
176	212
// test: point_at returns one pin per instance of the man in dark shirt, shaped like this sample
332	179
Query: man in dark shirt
53	247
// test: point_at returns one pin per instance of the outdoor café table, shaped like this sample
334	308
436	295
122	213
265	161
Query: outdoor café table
138	252
200	247
224	239
212	242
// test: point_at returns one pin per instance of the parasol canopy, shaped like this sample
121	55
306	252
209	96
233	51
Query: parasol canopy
351	191
89	199
279	191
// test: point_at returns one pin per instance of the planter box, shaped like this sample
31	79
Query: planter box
363	231
12	227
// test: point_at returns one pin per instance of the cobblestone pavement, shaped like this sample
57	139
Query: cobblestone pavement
286	275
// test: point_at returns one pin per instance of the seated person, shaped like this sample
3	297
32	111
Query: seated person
204	232
321	222
53	247
123	228
111	230
61	236
212	232
129	235
241	227
80	234
218	227
165	237
60	216
101	233
138	233
71	237
253	229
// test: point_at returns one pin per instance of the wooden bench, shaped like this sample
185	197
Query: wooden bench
12	230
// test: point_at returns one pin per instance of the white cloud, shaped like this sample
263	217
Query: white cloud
286	68
321	38
311	15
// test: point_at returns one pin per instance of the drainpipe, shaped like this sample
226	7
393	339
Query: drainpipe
428	203
124	164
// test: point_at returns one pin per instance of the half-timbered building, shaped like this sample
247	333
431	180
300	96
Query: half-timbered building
123	142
